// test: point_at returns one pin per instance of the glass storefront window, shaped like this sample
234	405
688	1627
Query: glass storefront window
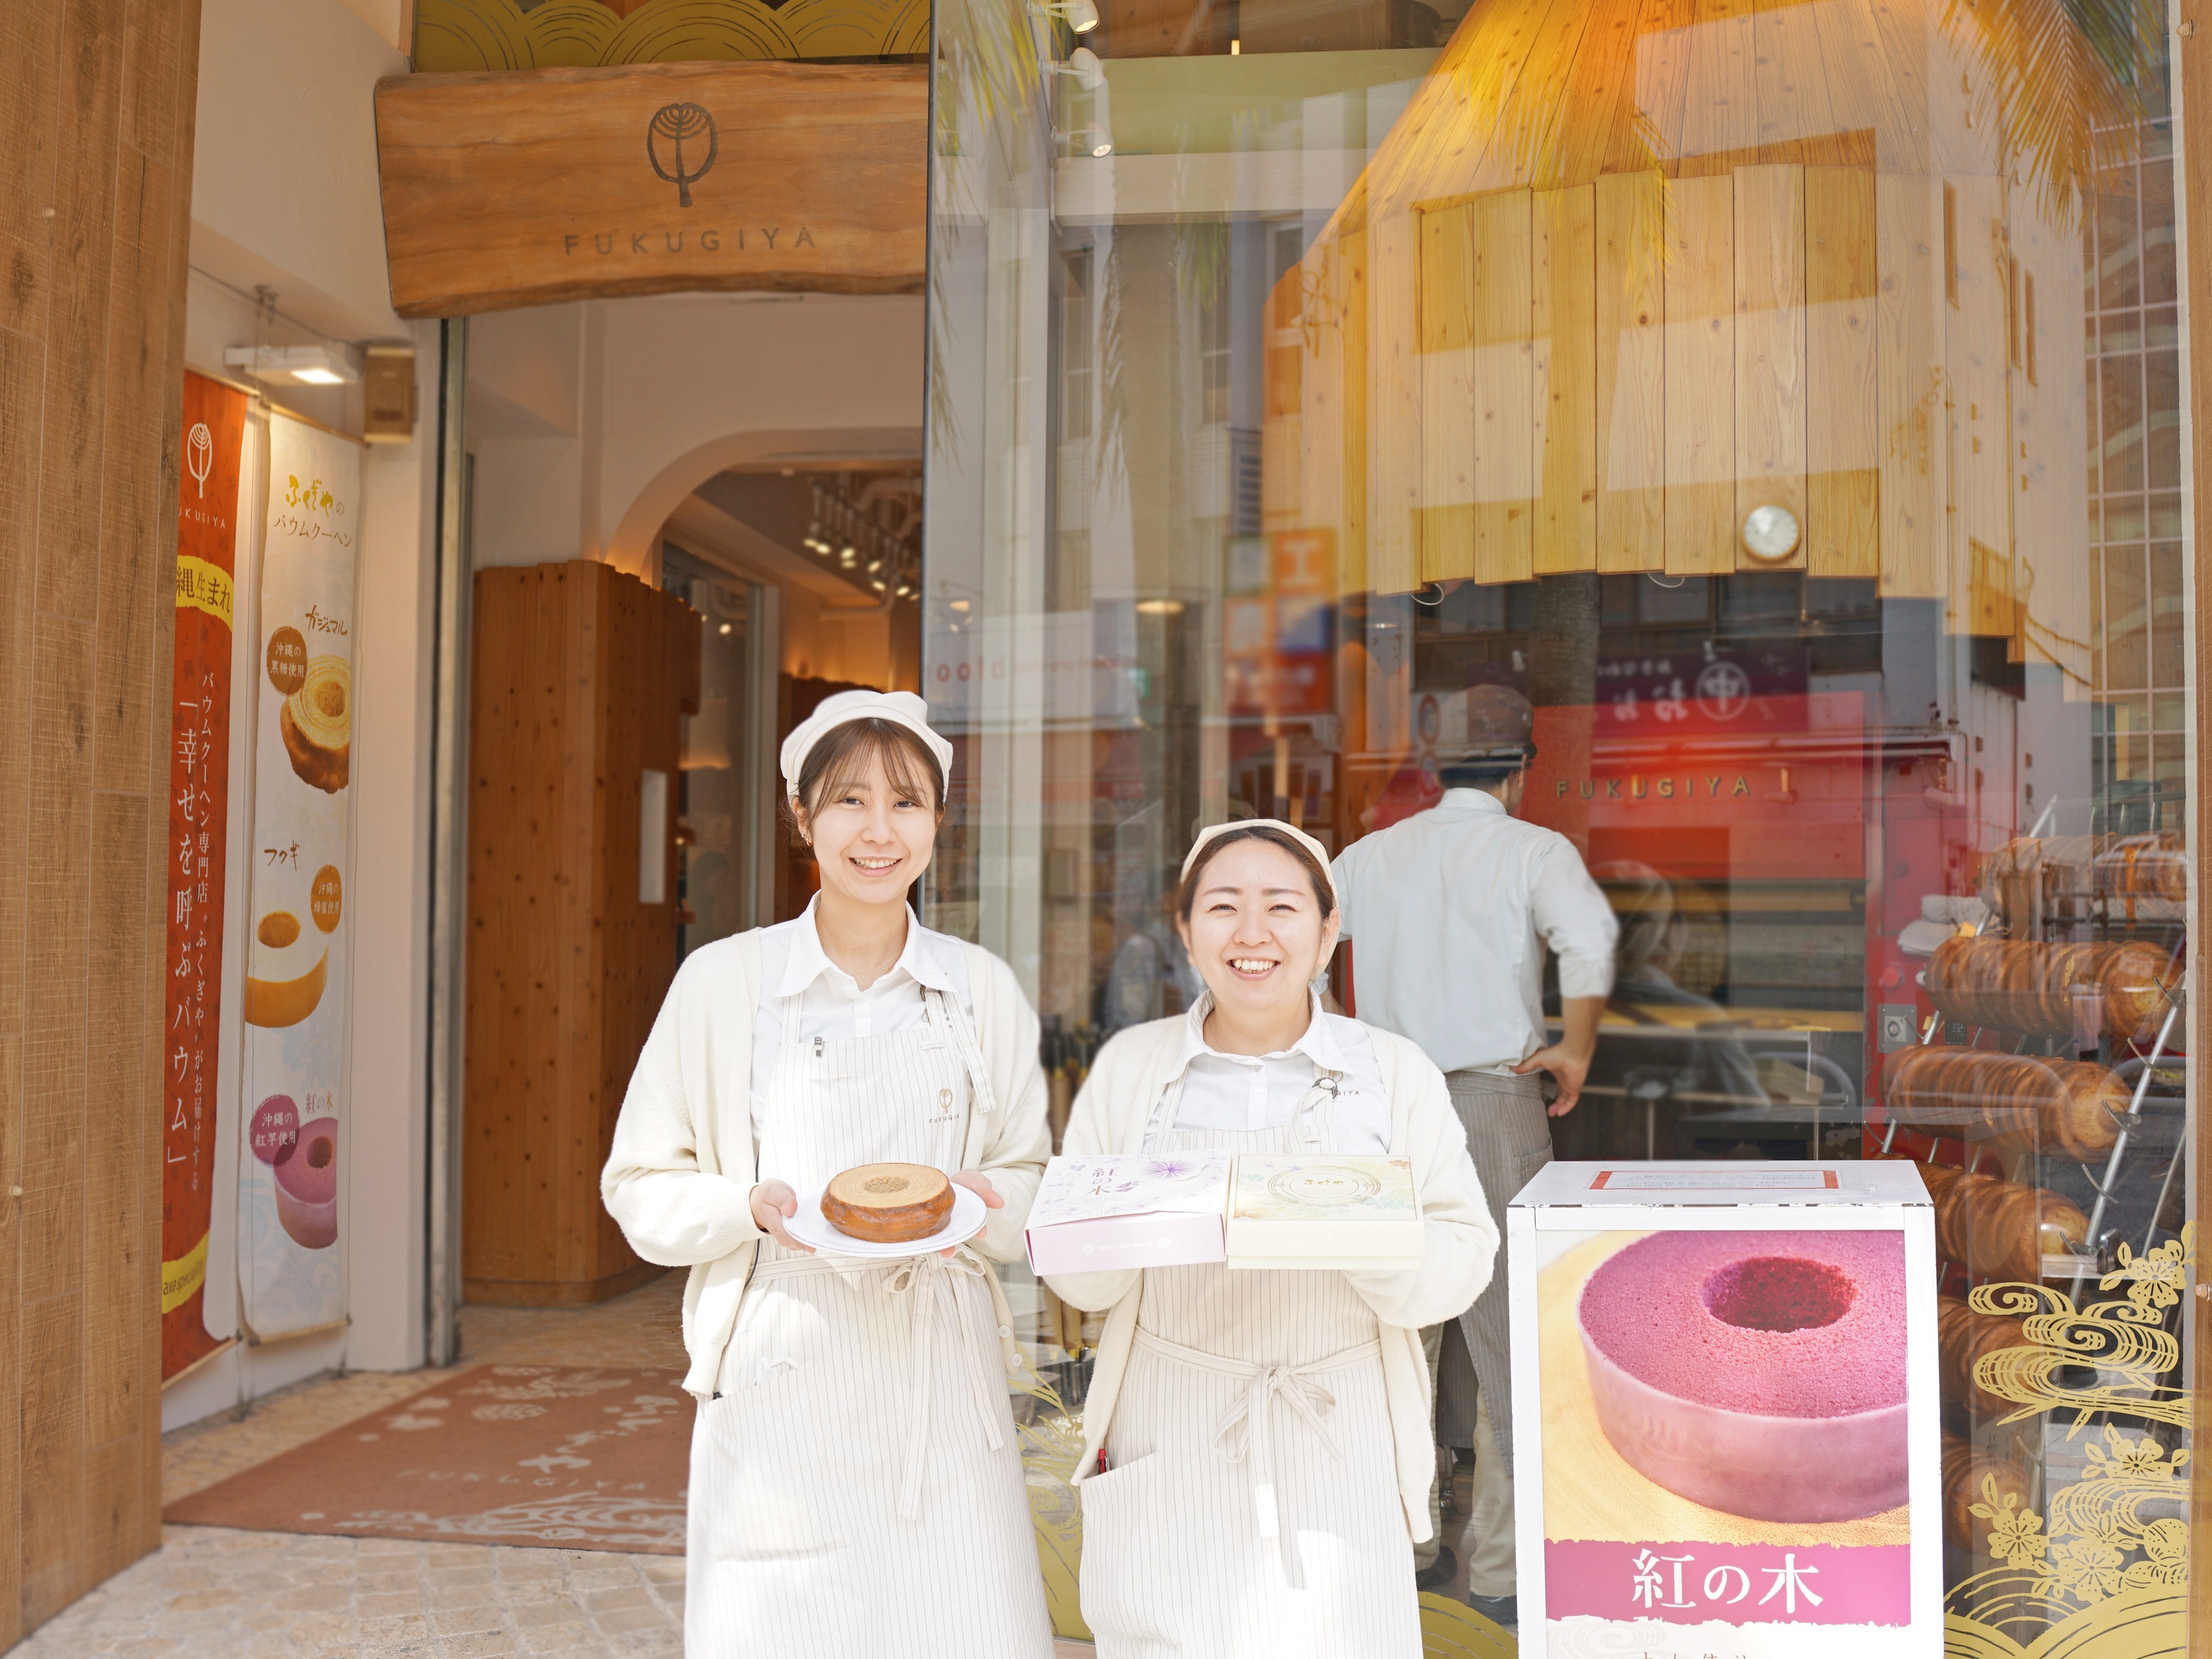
1786	404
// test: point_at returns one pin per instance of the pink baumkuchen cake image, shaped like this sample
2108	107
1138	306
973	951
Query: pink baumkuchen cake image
308	1186
1761	1374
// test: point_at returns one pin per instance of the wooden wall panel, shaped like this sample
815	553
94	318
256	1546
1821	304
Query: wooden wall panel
580	675
1909	386
96	101
1445	523
1503	311
1393	393
1564	374
1700	395
1771	414
1632	371
1843	531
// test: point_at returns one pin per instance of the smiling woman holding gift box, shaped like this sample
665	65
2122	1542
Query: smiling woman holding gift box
856	1482
1258	1457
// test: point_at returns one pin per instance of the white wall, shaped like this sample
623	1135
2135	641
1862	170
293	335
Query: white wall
590	423
284	195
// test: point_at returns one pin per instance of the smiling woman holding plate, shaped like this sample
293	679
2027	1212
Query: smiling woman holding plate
1258	1457
856	1483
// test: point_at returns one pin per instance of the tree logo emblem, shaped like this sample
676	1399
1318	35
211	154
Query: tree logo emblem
673	128
199	454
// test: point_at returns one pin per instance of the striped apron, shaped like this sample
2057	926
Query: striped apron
1251	1507
856	1483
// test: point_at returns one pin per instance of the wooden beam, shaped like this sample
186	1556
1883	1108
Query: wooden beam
531	188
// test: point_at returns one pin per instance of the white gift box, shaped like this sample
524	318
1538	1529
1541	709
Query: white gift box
1323	1211
1685	1483
1131	1210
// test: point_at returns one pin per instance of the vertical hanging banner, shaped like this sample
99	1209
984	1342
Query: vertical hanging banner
199	796
290	1271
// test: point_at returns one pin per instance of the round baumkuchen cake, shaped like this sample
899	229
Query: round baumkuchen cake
889	1203
1761	1374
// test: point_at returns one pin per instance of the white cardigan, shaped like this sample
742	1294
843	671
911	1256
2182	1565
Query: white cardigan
679	1179
1459	1241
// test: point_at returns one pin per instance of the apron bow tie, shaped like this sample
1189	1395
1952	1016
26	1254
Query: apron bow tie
1245	1435
932	1281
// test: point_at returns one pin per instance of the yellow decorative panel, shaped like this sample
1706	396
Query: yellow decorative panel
498	35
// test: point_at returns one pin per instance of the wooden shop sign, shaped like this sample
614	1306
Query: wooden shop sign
530	187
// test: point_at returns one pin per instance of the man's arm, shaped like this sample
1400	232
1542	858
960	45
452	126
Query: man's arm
1568	1060
1571	913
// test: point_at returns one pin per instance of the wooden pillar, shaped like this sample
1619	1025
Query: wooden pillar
96	189
580	678
2193	76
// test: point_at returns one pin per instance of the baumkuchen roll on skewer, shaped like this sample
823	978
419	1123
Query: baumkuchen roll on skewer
889	1203
2074	1107
2000	1229
2144	877
1965	1469
2025	985
1963	1336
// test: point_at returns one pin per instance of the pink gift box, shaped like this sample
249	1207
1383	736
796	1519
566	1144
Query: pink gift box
1157	1238
1106	1211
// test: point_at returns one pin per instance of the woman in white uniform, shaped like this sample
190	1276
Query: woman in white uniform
856	1482
1258	1457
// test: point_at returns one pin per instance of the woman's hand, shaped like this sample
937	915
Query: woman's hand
980	1184
772	1201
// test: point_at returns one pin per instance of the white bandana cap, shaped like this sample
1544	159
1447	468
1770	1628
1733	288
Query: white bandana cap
1319	852
901	708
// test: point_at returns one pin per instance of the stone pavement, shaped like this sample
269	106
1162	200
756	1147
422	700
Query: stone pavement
213	1593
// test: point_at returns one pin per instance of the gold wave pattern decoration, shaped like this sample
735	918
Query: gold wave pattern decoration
2126	1340
498	35
1450	1630
1051	1441
2108	1577
2108	1581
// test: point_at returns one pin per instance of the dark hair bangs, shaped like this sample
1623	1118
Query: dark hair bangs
1323	890
840	760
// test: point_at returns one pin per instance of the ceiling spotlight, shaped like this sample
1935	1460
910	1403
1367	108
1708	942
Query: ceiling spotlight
848	560
874	565
877	585
1103	148
724	629
960	606
1160	607
1081	16
309	365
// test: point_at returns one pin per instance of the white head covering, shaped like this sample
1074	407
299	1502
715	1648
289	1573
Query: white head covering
1319	852
899	707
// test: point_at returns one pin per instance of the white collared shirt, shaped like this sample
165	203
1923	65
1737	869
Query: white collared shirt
1450	911
831	1006
1243	1092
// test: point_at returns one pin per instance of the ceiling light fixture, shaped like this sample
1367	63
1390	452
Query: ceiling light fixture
308	365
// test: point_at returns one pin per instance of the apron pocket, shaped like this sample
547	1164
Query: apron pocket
1122	1577
773	1489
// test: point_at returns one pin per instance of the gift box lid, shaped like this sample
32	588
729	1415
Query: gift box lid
1310	1188
1676	1183
1093	1187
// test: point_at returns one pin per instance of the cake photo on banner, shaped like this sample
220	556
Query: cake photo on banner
292	1155
1723	1378
199	830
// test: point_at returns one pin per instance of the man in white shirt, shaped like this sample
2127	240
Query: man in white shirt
1449	914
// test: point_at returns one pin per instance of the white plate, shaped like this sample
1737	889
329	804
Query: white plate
810	1227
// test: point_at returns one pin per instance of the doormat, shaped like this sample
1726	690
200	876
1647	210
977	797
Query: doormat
555	1456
